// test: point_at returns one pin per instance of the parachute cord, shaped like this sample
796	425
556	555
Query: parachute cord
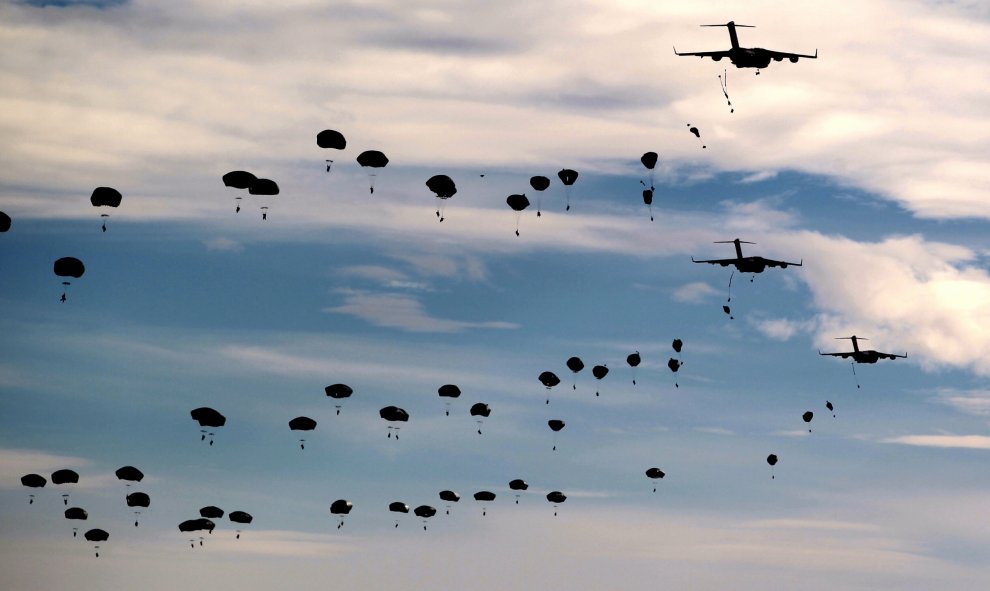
724	83
730	285
852	364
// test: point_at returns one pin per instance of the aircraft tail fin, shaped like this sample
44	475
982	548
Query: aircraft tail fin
732	31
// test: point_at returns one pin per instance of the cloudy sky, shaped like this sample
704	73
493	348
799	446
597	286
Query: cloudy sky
867	164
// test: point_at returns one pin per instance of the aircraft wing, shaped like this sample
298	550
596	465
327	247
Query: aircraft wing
711	54
891	356
783	54
834	354
718	261
773	263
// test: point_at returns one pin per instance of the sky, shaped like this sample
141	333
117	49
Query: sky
867	165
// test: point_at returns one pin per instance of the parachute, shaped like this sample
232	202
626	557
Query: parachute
341	507
302	424
518	203
239	179
549	379
807	418
649	160
4	222
76	513
599	372
398	507
697	134
211	512
338	392
567	176
129	473
633	360
424	512
372	160
96	535
68	267
331	139
33	481
201	524
556	497
207	417
555	425
517	485
772	460
65	476
449	496
829	406
393	414
539	184
138	499
655	473
240	517
448	391
265	187
575	365
480	409
484	496
443	187
105	197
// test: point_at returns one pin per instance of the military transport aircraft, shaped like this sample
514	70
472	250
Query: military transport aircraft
747	264
747	57
862	356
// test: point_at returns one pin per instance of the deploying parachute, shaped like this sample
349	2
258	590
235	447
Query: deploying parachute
443	187
338	392
517	203
697	134
207	417
68	267
105	197
331	139
302	424
567	176
831	408
649	160
372	160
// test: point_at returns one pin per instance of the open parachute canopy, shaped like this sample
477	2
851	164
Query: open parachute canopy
331	138
239	179
240	517
263	187
449	391
302	424
4	222
65	476
208	417
442	186
539	183
105	197
201	524
393	413
518	484
338	391
517	202
480	409
649	160
138	499
449	496
69	267
372	159
129	473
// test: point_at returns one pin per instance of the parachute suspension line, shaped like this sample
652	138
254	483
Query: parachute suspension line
723	81
730	285
852	364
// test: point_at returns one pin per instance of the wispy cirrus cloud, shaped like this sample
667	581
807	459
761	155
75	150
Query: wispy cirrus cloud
944	441
405	313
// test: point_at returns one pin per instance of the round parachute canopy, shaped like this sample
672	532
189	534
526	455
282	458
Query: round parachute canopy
302	424
677	345
539	183
240	517
372	159
69	267
575	364
518	484
4	222
341	507
34	480
673	364
599	371
449	391
398	507
201	524
647	196
655	473
338	391
649	160
207	417
330	138
105	196
76	513
65	476
484	495
425	511
239	179
567	176
517	202
263	187
96	535
556	497
140	499
772	459
549	379
129	473
480	409
393	413
211	512
556	424
633	359
449	496
442	185
808	416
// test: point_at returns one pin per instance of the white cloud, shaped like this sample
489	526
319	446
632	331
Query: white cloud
957	441
405	313
694	293
757	177
15	463
972	402
224	245
780	329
